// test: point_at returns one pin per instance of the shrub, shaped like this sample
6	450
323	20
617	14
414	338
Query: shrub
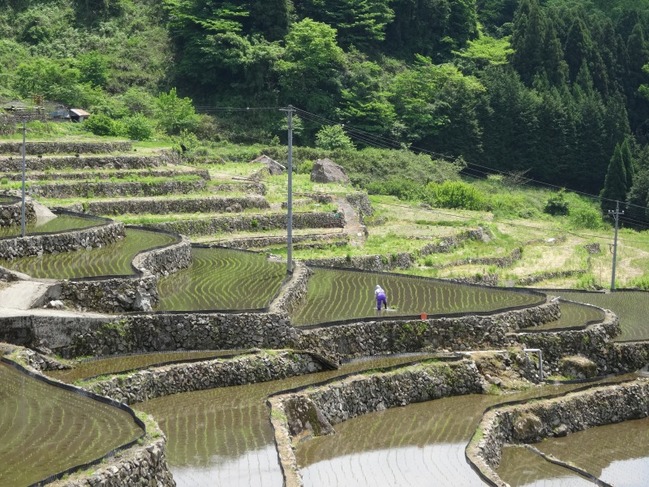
403	189
333	137
585	217
100	124
557	205
455	194
138	127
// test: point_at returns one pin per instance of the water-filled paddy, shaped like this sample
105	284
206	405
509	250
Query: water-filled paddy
62	223
616	453
113	260
224	437
120	364
335	294
46	430
222	279
573	314
632	307
520	467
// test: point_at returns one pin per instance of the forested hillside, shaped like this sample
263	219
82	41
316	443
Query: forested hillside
555	89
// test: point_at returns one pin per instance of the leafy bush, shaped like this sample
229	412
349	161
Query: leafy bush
403	189
455	194
333	137
99	124
138	127
585	217
175	114
557	205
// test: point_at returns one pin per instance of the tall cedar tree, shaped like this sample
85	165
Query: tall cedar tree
615	182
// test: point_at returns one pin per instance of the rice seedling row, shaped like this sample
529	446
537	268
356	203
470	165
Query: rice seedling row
221	279
335	294
573	314
36	419
630	306
114	259
62	223
115	365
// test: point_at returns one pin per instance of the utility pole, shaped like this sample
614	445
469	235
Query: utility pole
22	208
289	203
616	215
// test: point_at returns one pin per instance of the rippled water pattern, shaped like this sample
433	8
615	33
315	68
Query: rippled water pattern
113	260
115	365
44	429
632	307
222	279
335	294
224	437
520	467
62	223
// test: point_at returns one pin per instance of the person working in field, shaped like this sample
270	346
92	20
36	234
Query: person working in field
381	298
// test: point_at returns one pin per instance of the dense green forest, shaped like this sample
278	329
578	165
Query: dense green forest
555	90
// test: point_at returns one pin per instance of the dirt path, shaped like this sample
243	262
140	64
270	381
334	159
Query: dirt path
353	226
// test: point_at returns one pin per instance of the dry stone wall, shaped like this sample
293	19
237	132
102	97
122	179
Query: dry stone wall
190	331
376	263
121	294
116	189
102	174
140	466
11	213
169	205
107	161
186	377
99	236
65	147
207	226
472	332
531	422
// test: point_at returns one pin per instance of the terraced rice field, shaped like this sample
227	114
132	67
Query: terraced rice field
520	467
224	437
117	365
222	279
335	294
45	429
62	223
573	314
618	453
112	260
632	307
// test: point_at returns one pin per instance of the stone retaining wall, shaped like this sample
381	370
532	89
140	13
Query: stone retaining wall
132	161
293	292
299	241
89	189
377	263
99	236
11	213
593	342
447	244
140	466
314	411
248	188
224	224
402	336
65	147
112	175
169	332
361	203
122	294
155	382
531	422
170	205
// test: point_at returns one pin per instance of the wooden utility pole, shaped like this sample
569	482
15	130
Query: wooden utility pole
616	216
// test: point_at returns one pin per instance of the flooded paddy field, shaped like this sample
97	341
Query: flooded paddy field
62	223
224	436
520	467
125	363
112	260
632	307
617	454
45	429
573	314
222	279
337	294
